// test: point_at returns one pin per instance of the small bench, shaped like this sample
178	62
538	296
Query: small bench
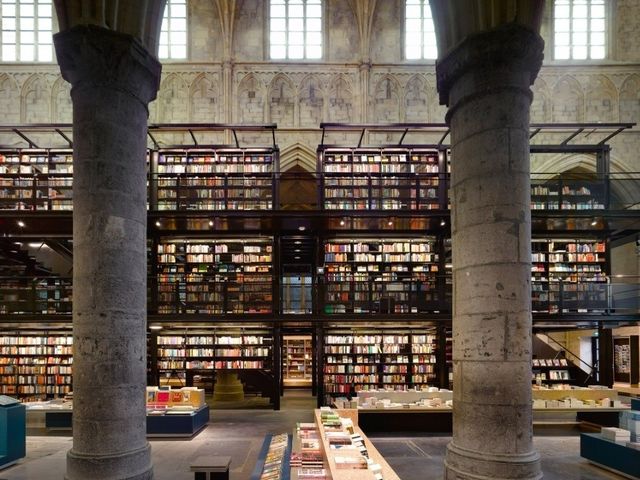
211	468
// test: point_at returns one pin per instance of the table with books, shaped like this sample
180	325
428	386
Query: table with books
335	448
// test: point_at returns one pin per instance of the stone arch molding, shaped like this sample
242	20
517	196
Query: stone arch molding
629	104
281	100
541	104
251	101
568	101
298	155
35	100
386	100
62	107
601	100
9	92
204	100
173	100
341	102
312	101
416	99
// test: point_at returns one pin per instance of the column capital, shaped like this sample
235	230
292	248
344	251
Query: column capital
510	47
92	56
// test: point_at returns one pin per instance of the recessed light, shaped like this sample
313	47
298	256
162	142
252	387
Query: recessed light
390	222
158	223
442	223
297	250
211	223
18	243
302	228
297	242
342	223
155	327
594	223
297	257
20	223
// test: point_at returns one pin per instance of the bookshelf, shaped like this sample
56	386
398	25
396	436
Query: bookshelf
35	366
383	276
567	194
550	370
216	179
368	360
181	356
569	275
297	358
232	276
39	295
381	178
36	180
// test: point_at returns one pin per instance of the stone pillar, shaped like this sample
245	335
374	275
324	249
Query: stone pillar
485	82
113	79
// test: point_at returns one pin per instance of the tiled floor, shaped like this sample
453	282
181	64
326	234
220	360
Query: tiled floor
239	434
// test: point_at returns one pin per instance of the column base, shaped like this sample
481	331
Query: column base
463	464
135	465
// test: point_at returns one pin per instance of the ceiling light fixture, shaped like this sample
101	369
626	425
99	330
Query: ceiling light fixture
390	222
442	223
297	242
297	257
594	223
211	223
158	223
342	223
21	223
155	327
302	228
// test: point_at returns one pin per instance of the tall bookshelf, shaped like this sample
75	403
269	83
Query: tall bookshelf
386	276
216	179
232	276
181	356
36	180
569	275
381	178
370	360
568	194
297	361
39	295
35	366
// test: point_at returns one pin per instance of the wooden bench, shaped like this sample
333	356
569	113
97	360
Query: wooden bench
211	468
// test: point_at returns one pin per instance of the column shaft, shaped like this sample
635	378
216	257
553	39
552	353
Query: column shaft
112	77
491	240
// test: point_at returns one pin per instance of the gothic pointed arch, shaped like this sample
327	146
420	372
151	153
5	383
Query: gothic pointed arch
341	102
281	100
204	96
311	97
35	100
568	101
250	100
601	100
9	94
630	99
172	100
416	100
541	103
386	100
62	108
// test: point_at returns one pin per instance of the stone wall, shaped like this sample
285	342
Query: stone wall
362	79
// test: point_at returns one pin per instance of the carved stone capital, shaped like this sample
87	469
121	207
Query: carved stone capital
509	48
90	56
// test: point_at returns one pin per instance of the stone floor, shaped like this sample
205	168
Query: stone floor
239	434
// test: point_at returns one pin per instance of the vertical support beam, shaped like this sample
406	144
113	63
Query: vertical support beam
319	353
113	79
605	357
277	365
485	82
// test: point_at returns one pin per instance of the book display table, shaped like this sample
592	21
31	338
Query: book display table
12	431
178	424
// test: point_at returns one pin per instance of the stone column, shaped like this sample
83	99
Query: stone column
113	79
485	82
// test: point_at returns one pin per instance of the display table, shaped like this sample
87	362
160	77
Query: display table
185	424
610	455
352	474
12	431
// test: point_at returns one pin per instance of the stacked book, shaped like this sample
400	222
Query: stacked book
616	434
308	461
274	460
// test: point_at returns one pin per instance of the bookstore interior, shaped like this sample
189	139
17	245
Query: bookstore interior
295	256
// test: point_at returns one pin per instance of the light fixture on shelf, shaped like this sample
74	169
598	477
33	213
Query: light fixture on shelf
297	257
594	223
297	242
211	223
342	223
158	223
297	250
155	327
390	223
443	223
21	224
302	228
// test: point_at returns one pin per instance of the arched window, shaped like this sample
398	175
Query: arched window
420	34
173	35
295	29
579	29
26	27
